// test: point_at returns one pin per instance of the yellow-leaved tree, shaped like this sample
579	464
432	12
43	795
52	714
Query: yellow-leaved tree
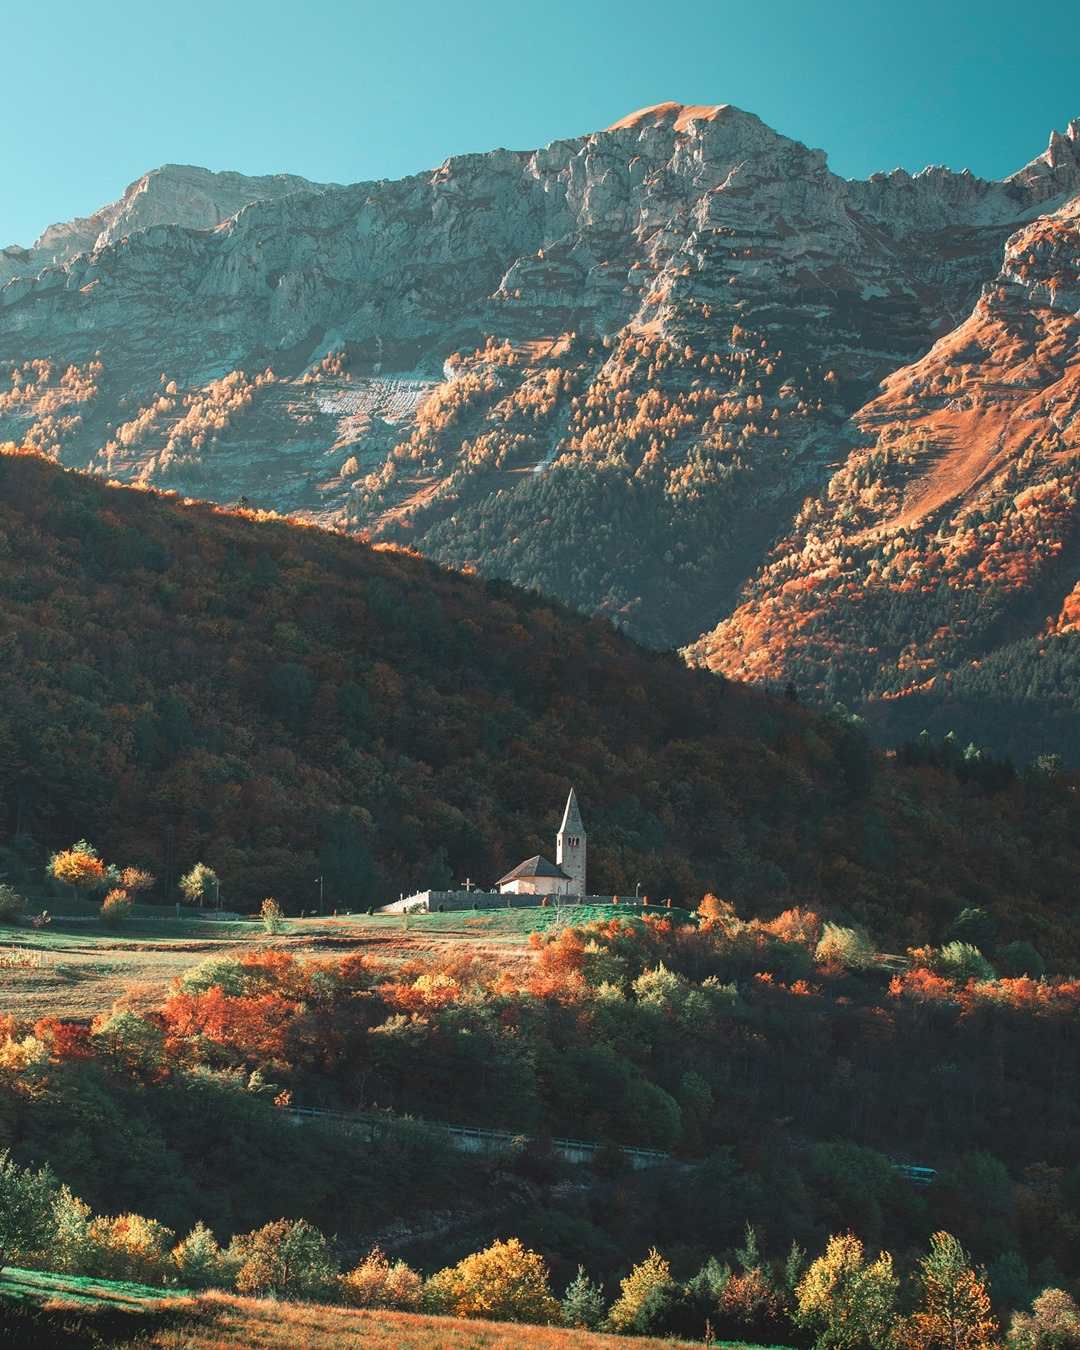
847	1303
505	1282
648	1276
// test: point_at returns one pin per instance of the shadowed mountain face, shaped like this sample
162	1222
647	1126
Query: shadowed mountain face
614	368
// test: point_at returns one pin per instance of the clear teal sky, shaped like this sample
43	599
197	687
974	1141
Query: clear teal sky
95	94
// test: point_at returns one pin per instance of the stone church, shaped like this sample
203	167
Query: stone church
566	875
533	880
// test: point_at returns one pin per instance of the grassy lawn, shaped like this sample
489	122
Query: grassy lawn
78	967
40	1287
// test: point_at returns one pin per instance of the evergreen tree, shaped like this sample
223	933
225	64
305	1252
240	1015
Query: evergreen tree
583	1302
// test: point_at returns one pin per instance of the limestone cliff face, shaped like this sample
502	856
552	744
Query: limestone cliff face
175	194
612	368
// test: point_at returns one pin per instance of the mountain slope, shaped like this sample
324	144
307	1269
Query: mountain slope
180	683
175	194
612	368
937	574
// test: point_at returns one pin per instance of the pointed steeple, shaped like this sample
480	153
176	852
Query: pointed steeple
571	846
571	821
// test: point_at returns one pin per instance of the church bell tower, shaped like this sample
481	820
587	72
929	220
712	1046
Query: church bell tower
570	845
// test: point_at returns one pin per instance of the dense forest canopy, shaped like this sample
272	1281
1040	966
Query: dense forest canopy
181	683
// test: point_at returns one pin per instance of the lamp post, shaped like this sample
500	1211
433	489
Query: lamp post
637	890
320	881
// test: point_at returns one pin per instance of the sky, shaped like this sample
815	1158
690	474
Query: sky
95	95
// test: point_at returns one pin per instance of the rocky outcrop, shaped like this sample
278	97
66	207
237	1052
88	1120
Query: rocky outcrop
175	194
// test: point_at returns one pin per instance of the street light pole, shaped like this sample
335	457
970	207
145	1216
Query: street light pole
320	881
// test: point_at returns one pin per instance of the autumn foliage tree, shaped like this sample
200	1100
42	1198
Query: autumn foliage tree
506	1282
955	1310
79	867
846	1302
288	1258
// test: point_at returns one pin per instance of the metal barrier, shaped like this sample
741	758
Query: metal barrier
474	1138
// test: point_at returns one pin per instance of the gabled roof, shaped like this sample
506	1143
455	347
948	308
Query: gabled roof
571	821
536	866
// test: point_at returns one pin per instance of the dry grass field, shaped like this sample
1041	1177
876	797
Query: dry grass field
65	1310
77	968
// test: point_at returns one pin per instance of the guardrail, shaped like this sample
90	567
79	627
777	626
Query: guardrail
474	1138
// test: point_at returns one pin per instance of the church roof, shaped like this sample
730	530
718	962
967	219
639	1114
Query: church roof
536	866
571	821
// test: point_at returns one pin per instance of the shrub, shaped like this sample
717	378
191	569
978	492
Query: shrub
645	1282
273	918
290	1258
375	1283
1052	1324
133	1043
12	903
26	1209
505	1282
750	1308
131	1247
1016	959
849	948
136	879
201	1262
116	907
71	1246
216	972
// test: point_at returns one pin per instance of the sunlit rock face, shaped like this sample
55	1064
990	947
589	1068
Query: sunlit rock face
612	368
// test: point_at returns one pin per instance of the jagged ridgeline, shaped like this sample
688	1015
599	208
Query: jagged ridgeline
182	683
613	368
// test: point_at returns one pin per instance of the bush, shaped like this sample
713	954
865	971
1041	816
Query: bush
288	1258
1052	1324
1020	958
12	903
26	1209
116	907
272	915
131	1247
375	1283
71	1246
200	1261
506	1282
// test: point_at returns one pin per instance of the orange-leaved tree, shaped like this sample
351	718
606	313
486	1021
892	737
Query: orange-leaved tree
955	1310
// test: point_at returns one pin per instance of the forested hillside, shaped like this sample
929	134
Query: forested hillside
180	683
934	578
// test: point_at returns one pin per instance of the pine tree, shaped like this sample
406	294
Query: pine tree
583	1302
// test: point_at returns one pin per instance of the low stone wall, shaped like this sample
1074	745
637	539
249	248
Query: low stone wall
445	902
